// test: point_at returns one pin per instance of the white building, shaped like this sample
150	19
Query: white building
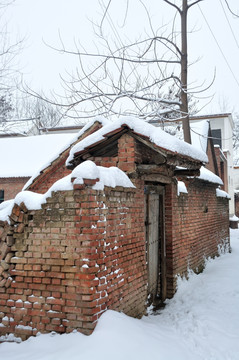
222	131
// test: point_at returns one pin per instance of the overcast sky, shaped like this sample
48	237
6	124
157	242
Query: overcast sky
215	39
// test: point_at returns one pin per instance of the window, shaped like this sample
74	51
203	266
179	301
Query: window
217	137
1	196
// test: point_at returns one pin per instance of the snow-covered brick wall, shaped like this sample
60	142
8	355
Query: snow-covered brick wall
64	264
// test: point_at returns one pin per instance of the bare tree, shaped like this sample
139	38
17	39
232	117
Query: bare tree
147	77
42	114
6	107
8	68
14	104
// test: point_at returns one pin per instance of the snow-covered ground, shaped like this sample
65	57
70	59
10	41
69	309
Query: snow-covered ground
200	323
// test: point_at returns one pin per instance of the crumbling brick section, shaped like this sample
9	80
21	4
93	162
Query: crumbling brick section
81	254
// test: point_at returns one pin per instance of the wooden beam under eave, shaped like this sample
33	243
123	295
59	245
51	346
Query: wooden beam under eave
184	162
157	178
149	168
186	172
155	169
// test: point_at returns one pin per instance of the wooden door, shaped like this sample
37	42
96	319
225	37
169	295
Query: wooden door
155	244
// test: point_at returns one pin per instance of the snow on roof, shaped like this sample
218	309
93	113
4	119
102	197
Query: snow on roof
111	177
28	156
205	175
22	156
155	134
209	176
49	158
198	130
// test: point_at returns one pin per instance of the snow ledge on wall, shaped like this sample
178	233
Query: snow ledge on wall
222	194
111	177
209	176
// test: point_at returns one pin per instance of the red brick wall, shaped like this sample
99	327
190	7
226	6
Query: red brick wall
62	266
196	224
12	186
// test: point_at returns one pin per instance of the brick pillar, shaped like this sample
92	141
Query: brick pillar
126	153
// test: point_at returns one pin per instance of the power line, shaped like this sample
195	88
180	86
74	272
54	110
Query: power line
114	30
219	47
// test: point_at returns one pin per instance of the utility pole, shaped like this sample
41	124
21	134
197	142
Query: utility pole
184	73
183	11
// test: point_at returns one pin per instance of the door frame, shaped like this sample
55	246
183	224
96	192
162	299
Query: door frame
159	189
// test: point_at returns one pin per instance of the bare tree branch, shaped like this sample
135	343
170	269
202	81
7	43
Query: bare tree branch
172	4
8	72
105	13
232	12
194	3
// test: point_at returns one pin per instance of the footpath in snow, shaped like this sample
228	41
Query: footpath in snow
201	322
